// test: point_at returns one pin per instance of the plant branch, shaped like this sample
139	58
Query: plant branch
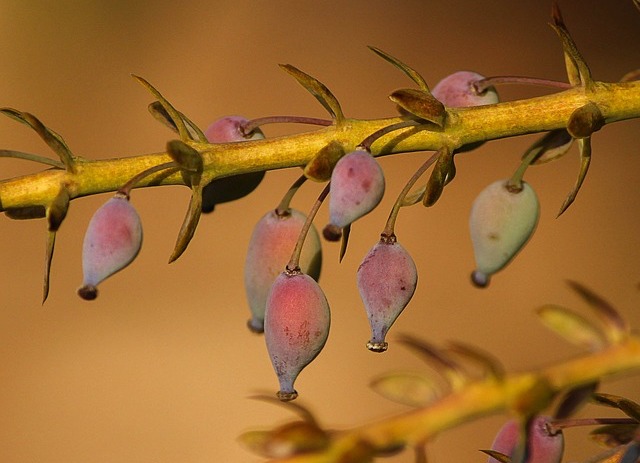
616	101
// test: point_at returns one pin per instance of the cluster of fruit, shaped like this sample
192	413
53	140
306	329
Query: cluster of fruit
284	255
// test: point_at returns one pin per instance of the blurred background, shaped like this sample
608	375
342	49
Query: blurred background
160	367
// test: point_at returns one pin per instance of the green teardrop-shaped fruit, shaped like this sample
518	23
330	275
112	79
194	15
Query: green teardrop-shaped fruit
501	222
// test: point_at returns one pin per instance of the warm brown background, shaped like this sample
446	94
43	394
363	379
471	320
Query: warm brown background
159	368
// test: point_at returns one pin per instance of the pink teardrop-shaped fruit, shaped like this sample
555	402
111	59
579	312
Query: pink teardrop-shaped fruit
111	242
272	242
229	129
457	91
357	186
544	447
387	279
296	327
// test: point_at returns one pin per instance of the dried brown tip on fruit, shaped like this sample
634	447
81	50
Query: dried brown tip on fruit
332	232
378	347
88	292
287	396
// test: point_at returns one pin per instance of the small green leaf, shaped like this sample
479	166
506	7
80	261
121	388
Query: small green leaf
190	223
160	114
344	241
616	327
584	144
184	133
413	74
51	138
442	173
572	327
614	435
287	440
412	389
489	363
414	197
31	157
553	145
501	457
321	165
451	370
318	90
420	104
577	69
26	213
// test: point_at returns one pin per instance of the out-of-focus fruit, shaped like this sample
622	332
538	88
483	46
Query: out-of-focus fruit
544	447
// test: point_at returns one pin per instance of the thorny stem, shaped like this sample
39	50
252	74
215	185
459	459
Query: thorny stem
294	263
283	207
393	215
253	124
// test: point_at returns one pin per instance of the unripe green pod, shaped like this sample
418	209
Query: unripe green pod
357	187
272	242
501	222
296	327
544	447
387	279
111	242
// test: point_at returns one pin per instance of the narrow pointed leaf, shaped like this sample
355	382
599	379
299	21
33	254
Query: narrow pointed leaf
344	241
553	145
31	157
412	389
440	175
572	327
48	258
51	138
628	407
190	223
585	160
320	167
614	435
574	399
421	104
574	60
631	76
616	328
490	364
26	213
450	369
412	73
168	107
318	90
160	114
501	457
414	197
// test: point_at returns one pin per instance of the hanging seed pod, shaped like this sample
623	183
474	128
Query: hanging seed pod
111	242
502	220
387	279
274	238
296	327
357	186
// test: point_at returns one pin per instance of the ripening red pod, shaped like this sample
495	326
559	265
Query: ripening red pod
387	279
296	327
229	129
501	222
457	91
544	447
111	242
357	187
272	242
